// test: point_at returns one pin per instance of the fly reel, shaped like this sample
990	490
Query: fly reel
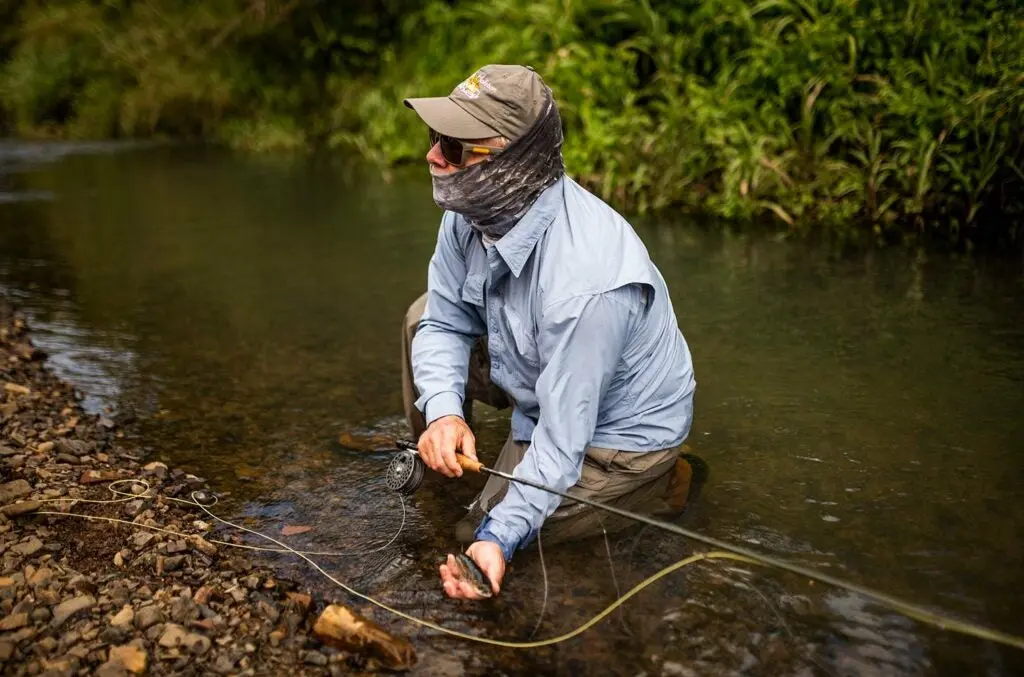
405	472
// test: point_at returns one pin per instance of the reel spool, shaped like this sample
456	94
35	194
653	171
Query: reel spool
405	473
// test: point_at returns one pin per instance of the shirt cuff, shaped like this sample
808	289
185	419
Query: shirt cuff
492	531
446	403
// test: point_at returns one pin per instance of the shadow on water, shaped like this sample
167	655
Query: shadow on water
860	414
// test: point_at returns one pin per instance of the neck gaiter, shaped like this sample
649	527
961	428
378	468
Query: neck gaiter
493	195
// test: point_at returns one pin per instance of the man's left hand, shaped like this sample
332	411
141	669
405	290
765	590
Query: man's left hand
488	557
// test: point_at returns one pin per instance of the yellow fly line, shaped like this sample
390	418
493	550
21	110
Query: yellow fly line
923	615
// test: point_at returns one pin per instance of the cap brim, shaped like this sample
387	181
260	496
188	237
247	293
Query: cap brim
446	117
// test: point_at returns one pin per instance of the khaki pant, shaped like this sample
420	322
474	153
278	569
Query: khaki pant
641	482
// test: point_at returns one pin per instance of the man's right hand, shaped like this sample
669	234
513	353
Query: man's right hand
441	440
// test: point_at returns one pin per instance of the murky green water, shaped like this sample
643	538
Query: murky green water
863	414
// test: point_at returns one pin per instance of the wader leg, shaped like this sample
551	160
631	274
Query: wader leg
647	483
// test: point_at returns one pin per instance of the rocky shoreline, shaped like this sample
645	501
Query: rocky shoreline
81	596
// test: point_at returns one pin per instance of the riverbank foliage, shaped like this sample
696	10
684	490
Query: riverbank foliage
877	117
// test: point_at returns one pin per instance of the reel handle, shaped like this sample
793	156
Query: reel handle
465	461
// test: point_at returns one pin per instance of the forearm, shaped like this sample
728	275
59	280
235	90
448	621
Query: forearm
445	334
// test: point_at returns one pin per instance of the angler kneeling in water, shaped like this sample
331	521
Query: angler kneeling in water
542	298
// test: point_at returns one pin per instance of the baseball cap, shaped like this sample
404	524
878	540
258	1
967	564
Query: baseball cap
496	100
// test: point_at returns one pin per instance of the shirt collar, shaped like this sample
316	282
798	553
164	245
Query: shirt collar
516	245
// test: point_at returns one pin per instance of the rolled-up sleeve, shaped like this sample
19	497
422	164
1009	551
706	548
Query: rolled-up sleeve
446	332
580	343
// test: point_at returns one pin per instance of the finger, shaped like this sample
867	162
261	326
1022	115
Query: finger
448	454
425	447
469	444
451	589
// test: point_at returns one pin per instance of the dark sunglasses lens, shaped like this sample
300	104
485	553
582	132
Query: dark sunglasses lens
452	150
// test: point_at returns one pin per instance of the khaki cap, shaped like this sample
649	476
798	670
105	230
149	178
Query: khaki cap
497	100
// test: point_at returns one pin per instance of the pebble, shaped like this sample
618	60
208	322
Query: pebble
20	508
314	658
673	669
41	615
133	658
124	617
142	539
10	491
148	616
69	608
172	636
6	650
13	622
29	547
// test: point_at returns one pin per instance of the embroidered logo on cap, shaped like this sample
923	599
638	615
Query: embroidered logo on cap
471	86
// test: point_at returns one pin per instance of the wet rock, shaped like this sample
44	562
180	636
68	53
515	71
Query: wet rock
252	582
202	545
165	564
111	668
148	617
20	508
6	650
314	658
13	622
673	669
300	601
69	608
98	476
172	636
342	628
132	657
142	539
41	615
176	547
69	459
9	491
203	595
184	610
44	448
84	584
41	577
124	617
28	548
114	635
156	468
196	643
16	389
48	644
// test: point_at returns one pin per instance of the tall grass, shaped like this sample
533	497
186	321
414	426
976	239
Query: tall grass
870	118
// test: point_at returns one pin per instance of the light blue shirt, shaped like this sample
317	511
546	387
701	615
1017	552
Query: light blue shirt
581	334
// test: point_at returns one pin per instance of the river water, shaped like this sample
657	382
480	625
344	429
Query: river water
862	413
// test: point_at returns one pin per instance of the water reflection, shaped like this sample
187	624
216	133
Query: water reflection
860	413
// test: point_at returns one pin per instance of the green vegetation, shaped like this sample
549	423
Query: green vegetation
872	117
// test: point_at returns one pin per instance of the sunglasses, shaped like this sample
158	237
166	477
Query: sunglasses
455	150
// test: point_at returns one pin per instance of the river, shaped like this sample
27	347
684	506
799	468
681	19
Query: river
860	412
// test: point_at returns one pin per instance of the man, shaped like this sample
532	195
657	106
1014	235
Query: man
542	298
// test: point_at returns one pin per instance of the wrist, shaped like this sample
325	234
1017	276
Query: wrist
446	403
485	533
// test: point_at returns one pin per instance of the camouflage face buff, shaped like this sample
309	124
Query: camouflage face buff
493	195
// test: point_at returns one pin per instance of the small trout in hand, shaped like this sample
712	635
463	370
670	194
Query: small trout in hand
473	574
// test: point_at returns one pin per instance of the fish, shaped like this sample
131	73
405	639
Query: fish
468	571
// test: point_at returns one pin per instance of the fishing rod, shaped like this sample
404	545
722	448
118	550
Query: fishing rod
406	471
